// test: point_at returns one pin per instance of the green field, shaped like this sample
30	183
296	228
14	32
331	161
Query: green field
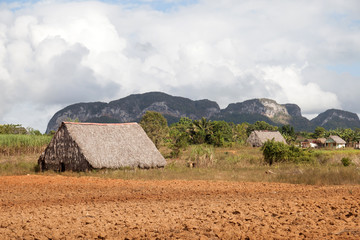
17	144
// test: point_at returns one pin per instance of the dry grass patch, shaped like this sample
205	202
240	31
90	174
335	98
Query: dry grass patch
18	164
315	175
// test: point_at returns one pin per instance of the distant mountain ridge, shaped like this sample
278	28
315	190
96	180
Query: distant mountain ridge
333	118
133	107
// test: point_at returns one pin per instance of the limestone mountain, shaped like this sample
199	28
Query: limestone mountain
133	107
267	110
334	118
265	107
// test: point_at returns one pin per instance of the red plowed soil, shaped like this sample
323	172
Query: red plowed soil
57	207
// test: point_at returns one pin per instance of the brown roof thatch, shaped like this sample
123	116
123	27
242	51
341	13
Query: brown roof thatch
337	139
101	146
257	138
321	140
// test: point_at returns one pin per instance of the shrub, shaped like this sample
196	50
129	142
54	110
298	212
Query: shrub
274	152
280	152
345	161
202	156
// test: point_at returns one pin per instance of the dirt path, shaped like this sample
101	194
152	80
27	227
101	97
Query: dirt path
57	207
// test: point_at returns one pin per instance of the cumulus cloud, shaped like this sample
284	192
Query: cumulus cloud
55	53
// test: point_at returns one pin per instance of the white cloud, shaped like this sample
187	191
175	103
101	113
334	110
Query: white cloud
292	89
55	53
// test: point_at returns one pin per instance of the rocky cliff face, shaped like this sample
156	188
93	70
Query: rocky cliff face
334	118
133	107
268	108
293	109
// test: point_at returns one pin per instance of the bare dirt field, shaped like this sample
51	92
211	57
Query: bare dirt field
58	207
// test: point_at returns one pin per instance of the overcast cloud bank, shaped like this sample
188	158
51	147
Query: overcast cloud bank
55	53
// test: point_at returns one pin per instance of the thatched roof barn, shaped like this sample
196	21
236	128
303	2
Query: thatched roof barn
85	146
258	138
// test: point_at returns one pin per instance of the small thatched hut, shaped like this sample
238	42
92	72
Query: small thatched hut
85	146
335	141
258	138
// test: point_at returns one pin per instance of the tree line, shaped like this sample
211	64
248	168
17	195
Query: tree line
203	131
18	129
219	133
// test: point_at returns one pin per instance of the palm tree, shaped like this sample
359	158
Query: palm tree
201	130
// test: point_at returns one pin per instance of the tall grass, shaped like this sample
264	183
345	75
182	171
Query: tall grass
202	155
13	144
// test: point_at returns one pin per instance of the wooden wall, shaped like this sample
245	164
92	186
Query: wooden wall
63	154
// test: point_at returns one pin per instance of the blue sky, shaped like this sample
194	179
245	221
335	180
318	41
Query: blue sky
352	68
159	5
56	53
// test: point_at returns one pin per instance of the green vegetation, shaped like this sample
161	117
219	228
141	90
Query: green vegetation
279	152
155	126
11	144
260	125
209	150
12	129
348	134
288	133
202	156
72	120
194	132
319	132
18	129
235	162
346	161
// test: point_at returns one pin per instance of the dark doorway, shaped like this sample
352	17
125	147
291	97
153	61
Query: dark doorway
62	167
42	166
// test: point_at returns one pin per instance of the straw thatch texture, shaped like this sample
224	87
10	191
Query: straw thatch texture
83	146
337	139
258	138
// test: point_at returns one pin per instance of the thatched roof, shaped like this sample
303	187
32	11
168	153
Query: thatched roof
269	135
321	140
258	137
337	139
115	145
